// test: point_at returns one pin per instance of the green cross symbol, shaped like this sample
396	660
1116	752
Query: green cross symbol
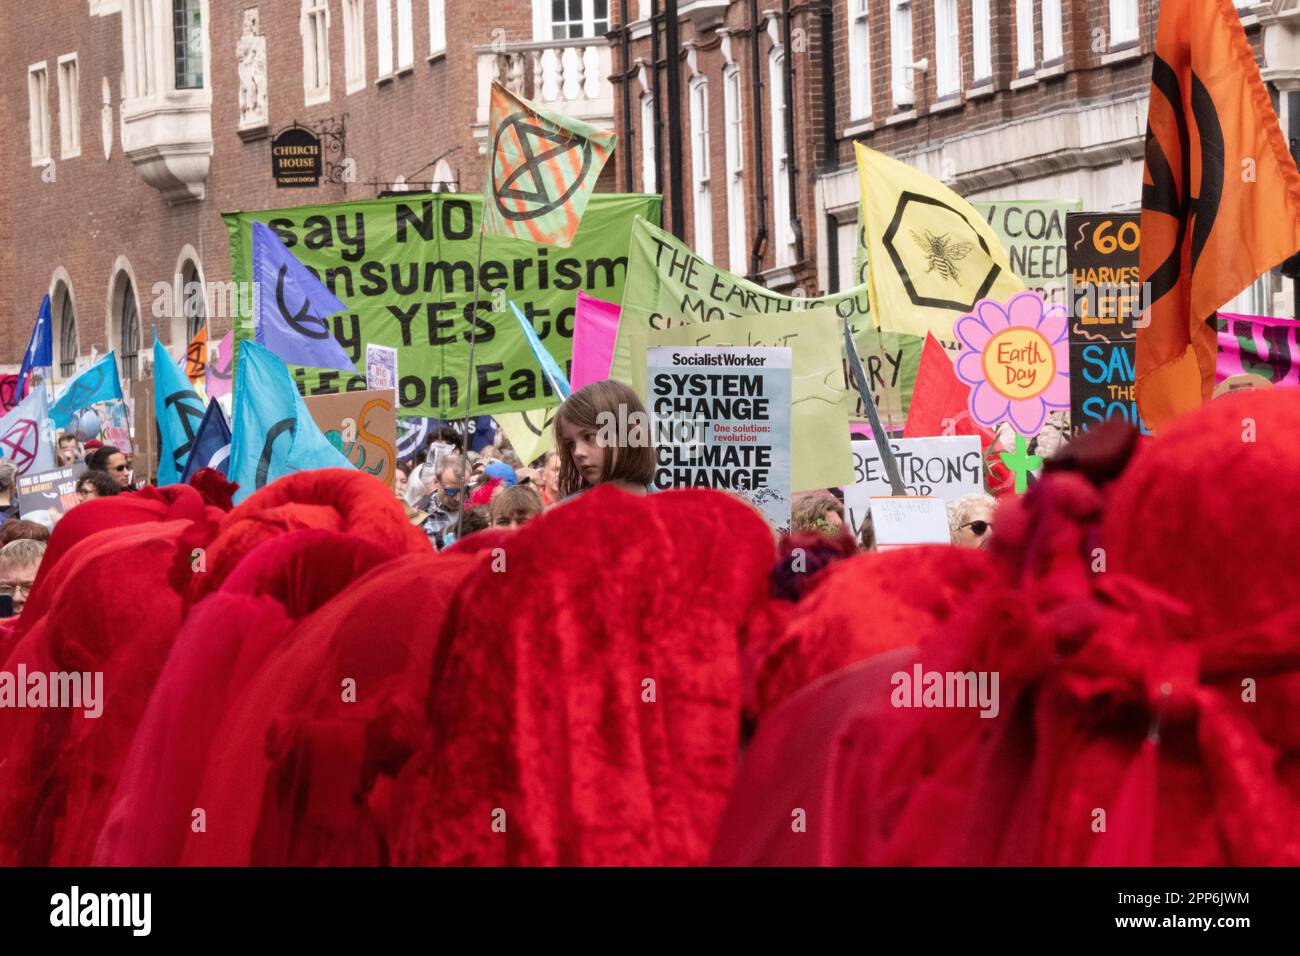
1021	463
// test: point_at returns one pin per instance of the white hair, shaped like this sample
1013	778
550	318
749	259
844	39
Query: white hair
959	511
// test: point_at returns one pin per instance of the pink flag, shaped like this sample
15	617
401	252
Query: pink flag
1258	344
595	325
221	370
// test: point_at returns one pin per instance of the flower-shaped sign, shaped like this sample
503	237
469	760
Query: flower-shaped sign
1016	360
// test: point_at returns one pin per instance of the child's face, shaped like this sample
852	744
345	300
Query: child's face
588	457
515	519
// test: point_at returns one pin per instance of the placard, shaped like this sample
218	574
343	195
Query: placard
53	491
362	426
904	522
947	468
381	367
720	418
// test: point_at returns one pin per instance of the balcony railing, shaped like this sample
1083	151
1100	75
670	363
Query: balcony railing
567	76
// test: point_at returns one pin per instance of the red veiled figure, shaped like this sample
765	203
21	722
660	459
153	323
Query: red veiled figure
59	766
219	650
585	698
300	766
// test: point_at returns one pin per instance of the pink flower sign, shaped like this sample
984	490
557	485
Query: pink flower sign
1016	360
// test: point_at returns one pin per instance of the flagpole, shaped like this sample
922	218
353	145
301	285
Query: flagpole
469	374
877	430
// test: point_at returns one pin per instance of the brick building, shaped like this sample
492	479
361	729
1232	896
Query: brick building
136	123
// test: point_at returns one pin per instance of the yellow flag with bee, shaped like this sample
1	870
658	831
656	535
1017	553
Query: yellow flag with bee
930	255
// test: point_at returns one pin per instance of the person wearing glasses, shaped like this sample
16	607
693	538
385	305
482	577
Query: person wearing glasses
443	501
971	520
113	463
96	484
19	562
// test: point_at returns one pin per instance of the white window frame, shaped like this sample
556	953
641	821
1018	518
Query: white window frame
701	165
544	25
314	25
1053	35
902	53
1123	22
384	40
648	183
69	107
781	211
981	41
437	27
947	49
1026	60
38	112
405	37
354	44
859	59
734	117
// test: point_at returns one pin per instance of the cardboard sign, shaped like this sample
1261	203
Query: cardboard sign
1105	300
144	462
947	468
720	418
115	425
381	367
902	522
362	426
52	491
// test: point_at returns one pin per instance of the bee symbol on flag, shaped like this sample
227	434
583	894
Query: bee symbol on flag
942	254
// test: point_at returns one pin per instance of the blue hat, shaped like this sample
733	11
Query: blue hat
499	469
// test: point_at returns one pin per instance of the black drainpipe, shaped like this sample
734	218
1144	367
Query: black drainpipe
627	95
829	138
787	82
676	201
760	177
654	95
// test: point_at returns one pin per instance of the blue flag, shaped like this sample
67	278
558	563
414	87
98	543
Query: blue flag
291	307
550	368
98	383
274	434
178	410
26	438
40	347
211	443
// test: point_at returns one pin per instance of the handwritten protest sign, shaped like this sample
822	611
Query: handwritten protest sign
1033	233
668	285
903	522
1105	300
405	268
362	426
52	491
946	468
821	402
720	418
381	366
1258	345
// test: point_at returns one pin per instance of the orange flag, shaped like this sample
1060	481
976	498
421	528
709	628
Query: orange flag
196	357
1220	198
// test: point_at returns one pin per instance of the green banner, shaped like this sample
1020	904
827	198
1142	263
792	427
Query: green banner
669	285
405	267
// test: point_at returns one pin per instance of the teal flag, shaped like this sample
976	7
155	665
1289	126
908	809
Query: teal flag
98	383
178	411
274	434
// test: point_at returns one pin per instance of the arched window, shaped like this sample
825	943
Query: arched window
130	326
67	332
196	313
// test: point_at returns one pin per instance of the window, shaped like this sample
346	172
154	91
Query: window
981	41
354	44
315	27
900	45
187	36
648	183
737	239
67	331
1123	22
405	36
947	49
859	60
781	214
384	32
571	19
703	196
1052	40
437	26
1025	36
38	112
196	313
69	108
129	324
